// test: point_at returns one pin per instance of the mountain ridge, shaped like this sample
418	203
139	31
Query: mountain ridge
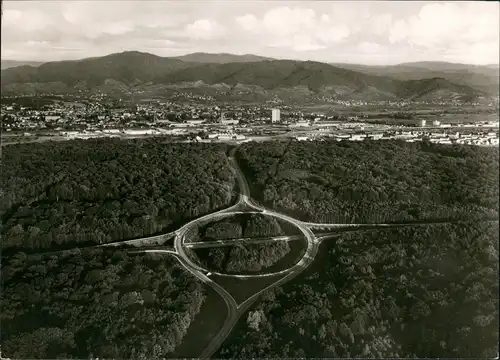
132	68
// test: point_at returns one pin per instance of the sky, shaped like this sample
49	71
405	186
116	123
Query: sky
373	33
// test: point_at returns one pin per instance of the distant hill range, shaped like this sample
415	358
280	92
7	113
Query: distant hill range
253	77
5	64
481	77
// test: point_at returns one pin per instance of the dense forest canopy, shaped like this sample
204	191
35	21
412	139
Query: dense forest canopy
95	304
373	181
241	258
243	226
97	191
425	291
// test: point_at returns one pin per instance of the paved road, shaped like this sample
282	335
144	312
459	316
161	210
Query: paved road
230	242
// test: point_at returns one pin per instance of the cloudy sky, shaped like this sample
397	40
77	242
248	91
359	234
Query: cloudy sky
358	32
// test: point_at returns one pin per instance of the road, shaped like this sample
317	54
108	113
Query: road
230	242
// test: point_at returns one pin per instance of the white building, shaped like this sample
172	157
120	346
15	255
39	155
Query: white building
299	124
436	123
275	115
376	136
141	132
225	136
358	137
230	122
195	121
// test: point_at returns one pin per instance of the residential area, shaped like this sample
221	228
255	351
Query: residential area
99	117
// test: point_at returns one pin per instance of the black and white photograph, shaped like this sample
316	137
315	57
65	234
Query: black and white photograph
245	179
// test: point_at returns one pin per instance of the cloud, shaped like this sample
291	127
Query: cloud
285	21
248	22
381	24
442	24
298	29
205	29
11	17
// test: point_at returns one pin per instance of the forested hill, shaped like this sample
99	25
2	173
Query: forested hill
136	68
481	77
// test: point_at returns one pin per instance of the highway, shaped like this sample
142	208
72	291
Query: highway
230	242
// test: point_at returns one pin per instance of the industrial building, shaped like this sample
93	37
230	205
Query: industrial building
275	115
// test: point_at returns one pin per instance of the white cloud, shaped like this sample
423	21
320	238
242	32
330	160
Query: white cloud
11	17
118	28
442	24
333	34
284	21
297	29
381	24
398	32
204	29
248	22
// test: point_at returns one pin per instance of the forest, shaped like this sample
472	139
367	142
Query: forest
93	303
424	291
241	258
64	194
373	181
243	226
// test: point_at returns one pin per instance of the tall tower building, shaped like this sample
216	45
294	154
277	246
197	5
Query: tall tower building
275	115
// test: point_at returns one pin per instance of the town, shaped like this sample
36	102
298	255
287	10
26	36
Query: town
99	117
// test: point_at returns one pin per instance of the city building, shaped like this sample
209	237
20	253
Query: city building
230	122
436	123
423	122
275	115
195	121
300	124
